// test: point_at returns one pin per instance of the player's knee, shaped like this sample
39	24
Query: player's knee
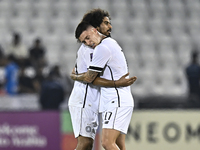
89	144
121	145
106	144
85	143
86	146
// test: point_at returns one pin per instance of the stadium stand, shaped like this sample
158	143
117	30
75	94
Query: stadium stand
157	36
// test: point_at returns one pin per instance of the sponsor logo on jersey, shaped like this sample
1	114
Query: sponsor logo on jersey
91	56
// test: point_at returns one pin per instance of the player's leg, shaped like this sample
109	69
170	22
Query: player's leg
109	137
84	143
115	122
85	124
121	141
126	112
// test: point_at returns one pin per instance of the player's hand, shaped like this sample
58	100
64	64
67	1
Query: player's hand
75	76
123	81
73	71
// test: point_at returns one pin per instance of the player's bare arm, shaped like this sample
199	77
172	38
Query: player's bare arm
91	75
87	77
122	82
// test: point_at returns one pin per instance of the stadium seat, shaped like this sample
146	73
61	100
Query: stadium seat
39	25
138	9
138	26
103	4
21	6
59	26
81	6
3	25
119	9
19	24
5	7
156	27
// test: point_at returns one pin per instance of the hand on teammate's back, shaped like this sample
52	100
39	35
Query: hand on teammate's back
123	81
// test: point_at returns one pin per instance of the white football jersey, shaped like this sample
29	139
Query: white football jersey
109	60
83	94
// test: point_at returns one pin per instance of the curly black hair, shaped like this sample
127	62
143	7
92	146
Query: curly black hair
95	17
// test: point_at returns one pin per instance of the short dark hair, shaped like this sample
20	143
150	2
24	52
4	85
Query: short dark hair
12	58
82	26
95	17
194	54
37	40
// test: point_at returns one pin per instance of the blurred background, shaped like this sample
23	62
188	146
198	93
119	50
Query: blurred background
160	39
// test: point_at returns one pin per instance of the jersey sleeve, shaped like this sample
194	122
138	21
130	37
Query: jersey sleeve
81	64
100	58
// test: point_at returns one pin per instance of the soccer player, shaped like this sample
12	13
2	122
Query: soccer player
109	61
84	99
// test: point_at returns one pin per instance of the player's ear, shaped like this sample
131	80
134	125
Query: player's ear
97	28
94	29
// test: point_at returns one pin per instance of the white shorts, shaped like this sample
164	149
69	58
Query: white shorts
84	121
117	118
